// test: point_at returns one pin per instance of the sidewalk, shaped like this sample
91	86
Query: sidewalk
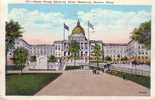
84	83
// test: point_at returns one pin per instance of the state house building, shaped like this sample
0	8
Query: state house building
60	49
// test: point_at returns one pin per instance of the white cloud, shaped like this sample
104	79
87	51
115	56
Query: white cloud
39	24
110	25
114	26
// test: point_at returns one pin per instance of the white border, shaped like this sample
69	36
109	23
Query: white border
3	15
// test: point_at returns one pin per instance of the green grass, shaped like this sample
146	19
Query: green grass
142	80
28	84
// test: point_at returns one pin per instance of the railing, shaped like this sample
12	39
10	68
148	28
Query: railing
132	70
54	66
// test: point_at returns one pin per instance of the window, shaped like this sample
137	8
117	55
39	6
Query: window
86	53
59	48
10	54
64	53
68	53
64	44
86	46
81	53
81	45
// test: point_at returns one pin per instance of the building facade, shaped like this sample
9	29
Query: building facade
60	49
138	52
115	51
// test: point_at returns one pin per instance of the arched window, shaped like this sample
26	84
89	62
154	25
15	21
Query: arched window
86	53
65	53
81	53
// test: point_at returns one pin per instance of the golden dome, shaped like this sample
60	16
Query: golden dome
78	29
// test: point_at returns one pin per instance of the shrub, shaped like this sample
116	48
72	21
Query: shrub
142	80
72	67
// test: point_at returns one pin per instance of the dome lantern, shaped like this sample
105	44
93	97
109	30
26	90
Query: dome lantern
78	23
78	29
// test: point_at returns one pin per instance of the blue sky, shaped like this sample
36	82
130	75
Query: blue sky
47	20
73	8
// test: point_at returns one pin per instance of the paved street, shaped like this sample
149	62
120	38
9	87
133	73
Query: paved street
85	83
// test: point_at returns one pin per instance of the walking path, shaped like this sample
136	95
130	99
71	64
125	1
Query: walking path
85	83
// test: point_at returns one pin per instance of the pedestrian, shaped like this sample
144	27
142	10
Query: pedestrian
95	71
103	70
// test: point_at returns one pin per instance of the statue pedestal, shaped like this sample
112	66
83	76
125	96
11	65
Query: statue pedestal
41	62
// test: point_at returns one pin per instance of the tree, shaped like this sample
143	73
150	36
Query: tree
118	58
33	58
97	53
107	58
124	58
74	48
13	31
142	34
20	57
52	59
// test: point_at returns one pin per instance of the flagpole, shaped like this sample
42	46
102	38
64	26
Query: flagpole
89	45
63	38
64	33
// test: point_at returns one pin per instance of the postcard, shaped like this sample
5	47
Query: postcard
77	50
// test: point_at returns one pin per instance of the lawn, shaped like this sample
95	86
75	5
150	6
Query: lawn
142	80
28	84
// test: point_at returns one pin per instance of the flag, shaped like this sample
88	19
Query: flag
66	27
90	25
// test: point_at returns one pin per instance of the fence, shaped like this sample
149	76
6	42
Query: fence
132	71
